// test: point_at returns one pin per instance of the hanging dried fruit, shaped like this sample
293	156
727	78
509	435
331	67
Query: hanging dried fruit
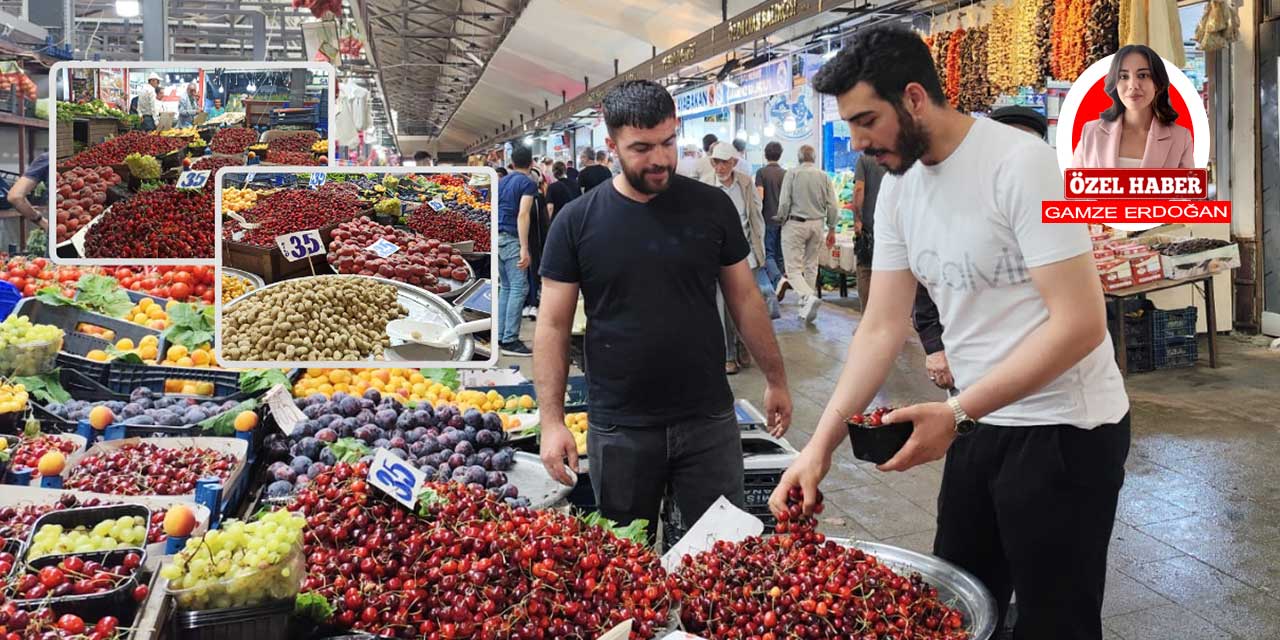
953	65
1102	37
1000	50
1044	40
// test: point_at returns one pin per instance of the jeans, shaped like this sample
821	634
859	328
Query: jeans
632	468
513	286
773	261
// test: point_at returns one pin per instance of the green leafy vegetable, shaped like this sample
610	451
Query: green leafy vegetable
349	450
446	377
53	296
125	357
224	424
262	380
313	606
45	387
190	326
104	295
427	498
637	531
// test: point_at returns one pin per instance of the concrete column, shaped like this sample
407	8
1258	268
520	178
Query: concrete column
259	21
155	30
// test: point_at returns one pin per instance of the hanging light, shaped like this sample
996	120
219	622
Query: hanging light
252	87
770	130
754	139
528	141
127	8
742	134
830	54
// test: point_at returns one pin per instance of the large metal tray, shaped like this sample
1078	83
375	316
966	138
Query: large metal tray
422	305
530	477
956	587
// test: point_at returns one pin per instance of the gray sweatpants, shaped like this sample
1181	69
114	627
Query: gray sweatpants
633	467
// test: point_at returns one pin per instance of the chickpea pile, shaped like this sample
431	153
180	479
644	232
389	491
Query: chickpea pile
329	318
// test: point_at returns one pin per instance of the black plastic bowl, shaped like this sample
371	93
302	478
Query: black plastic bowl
878	444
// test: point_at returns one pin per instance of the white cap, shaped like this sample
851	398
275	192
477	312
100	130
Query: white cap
723	151
153	76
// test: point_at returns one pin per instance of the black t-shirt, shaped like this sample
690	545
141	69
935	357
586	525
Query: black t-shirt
561	192
648	273
593	175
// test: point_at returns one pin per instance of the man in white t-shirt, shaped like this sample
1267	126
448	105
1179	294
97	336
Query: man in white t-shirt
1037	437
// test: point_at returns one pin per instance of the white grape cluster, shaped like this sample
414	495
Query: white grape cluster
18	330
115	533
241	564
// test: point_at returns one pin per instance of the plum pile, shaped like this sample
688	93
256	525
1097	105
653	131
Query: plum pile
424	263
146	407
162	223
444	443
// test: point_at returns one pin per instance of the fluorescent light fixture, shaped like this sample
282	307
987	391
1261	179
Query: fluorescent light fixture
754	139
770	130
671	88
528	140
730	83
127	8
409	163
742	134
830	54
474	58
251	88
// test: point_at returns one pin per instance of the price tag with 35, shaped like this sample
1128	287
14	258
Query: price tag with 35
395	477
318	179
299	245
193	179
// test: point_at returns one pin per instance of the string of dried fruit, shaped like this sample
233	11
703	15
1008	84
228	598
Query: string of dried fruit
953	65
940	43
975	90
1077	26
1102	37
1024	67
1126	21
1044	41
1058	37
1000	50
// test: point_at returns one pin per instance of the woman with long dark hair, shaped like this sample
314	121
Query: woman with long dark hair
1139	129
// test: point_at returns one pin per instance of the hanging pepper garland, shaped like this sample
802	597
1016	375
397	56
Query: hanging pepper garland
953	65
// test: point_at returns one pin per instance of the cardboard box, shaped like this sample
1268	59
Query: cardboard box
1103	254
1132	250
1115	274
1116	285
1147	268
1198	264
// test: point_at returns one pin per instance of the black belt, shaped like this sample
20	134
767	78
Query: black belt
799	219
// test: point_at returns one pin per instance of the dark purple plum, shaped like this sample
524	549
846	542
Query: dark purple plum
457	460
373	396
465	448
327	435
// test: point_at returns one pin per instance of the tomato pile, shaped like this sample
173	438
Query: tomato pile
294	210
233	140
447	226
799	585
184	284
472	567
113	151
294	158
32	274
162	223
82	195
421	262
145	469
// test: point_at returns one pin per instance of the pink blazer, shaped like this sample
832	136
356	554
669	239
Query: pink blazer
1168	146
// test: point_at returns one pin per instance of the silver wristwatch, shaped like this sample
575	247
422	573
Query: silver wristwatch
964	424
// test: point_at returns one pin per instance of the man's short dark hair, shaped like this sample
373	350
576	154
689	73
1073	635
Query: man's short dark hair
522	157
602	156
422	155
887	58
642	104
773	151
740	145
502	171
709	141
557	169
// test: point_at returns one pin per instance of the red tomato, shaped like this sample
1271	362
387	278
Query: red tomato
29	290
19	282
208	296
200	289
161	292
46	275
17	270
33	270
180	291
42	262
202	274
165	269
148	284
182	277
127	283
123	272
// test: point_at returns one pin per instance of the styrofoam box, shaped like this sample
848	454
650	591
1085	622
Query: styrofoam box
234	446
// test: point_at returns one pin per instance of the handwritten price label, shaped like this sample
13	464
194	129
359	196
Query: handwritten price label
395	477
299	245
193	179
318	179
383	247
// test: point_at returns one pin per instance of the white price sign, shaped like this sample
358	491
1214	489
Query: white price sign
383	247
248	177
193	179
286	413
303	244
395	477
318	179
437	205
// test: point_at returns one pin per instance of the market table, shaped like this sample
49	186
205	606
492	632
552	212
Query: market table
1116	300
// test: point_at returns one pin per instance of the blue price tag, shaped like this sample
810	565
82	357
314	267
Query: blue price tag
437	205
383	247
318	179
299	245
395	477
193	179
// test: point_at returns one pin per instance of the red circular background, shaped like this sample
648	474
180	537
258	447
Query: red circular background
1096	101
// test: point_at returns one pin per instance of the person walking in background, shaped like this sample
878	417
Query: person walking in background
19	198
595	173
807	205
189	106
423	159
516	195
746	201
148	104
769	186
704	171
688	165
661	409
867	175
539	222
562	191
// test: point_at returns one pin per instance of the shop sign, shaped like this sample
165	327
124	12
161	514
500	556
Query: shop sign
764	80
771	15
698	100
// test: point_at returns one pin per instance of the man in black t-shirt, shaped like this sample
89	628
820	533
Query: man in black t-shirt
593	175
648	249
562	191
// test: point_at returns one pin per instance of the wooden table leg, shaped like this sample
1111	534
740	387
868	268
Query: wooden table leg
1118	325
1211	319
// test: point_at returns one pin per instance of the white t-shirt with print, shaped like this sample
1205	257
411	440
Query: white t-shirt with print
969	228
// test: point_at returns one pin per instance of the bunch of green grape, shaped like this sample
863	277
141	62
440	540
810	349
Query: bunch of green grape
113	533
19	331
143	167
241	564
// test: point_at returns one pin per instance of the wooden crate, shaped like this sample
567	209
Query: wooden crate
269	262
66	140
102	128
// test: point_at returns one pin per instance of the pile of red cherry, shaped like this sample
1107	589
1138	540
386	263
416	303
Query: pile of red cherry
873	419
44	624
799	585
75	576
469	566
30	450
145	469
16	522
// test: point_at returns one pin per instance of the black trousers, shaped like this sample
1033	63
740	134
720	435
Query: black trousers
632	468
1030	510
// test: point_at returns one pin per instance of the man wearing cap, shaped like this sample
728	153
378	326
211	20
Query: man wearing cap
148	106
807	200
925	313
742	191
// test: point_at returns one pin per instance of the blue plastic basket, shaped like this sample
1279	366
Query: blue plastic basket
9	297
1173	323
1176	353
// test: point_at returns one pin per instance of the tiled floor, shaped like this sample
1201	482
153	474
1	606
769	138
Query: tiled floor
1196	548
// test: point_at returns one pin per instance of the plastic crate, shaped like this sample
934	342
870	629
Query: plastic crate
89	370
68	318
1141	358
125	377
575	390
1176	353
92	607
87	517
1138	322
674	527
1169	324
269	620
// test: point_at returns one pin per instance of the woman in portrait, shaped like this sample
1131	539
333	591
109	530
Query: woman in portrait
1138	131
